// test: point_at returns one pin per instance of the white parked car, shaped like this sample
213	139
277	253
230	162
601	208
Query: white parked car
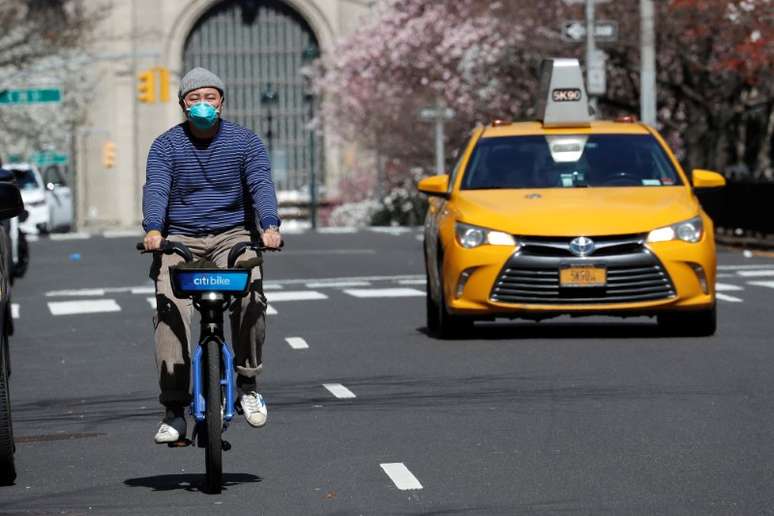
48	204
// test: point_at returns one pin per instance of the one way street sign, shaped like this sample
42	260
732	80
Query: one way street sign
575	31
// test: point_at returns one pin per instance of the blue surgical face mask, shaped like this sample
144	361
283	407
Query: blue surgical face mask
203	115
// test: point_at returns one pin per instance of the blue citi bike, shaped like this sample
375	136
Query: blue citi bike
212	290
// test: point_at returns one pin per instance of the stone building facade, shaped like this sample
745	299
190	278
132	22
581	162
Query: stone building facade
258	47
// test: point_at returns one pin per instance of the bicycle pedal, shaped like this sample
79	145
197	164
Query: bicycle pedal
180	443
225	445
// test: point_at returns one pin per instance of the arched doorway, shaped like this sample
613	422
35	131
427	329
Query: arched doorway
258	48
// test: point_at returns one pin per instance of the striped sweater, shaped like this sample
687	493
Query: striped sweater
195	187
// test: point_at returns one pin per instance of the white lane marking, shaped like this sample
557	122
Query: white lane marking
151	301
726	287
401	476
88	306
744	267
420	281
69	236
330	251
420	238
385	292
391	230
296	295
14	310
753	274
77	292
142	290
270	310
32	238
296	343
121	233
769	284
726	297
725	275
271	286
337	230
339	390
337	284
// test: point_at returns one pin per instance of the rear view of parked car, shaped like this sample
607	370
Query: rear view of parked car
11	205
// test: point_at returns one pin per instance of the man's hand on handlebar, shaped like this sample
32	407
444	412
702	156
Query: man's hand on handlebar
271	238
152	240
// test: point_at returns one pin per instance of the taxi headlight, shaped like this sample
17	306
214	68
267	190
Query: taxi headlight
687	231
469	236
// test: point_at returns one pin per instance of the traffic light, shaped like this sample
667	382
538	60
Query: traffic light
147	87
108	154
163	83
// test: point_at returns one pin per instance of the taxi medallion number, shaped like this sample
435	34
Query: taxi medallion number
582	276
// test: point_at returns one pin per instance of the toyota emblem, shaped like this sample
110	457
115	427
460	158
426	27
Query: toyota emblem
582	246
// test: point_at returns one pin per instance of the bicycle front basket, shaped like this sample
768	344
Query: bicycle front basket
187	282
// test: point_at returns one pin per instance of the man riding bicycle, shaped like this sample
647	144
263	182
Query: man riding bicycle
206	180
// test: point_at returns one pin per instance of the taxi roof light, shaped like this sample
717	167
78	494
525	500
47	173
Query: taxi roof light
562	100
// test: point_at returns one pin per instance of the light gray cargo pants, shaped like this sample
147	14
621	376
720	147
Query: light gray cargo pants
172	318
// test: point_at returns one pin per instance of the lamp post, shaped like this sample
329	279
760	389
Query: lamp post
311	52
269	97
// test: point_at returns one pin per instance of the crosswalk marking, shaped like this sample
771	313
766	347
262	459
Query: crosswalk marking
421	281
151	301
142	290
69	236
753	274
726	297
401	476
769	284
87	306
14	310
296	343
270	310
122	233
296	295
77	292
725	287
337	284
339	390
385	292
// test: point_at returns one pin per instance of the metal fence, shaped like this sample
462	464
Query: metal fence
745	206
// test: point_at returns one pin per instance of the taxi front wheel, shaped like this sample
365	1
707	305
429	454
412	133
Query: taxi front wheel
701	323
441	323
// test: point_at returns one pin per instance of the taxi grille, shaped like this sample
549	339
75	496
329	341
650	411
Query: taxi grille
534	279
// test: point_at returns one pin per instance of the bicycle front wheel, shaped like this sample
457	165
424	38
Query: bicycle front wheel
214	418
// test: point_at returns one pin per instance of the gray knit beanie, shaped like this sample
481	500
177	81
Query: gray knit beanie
199	78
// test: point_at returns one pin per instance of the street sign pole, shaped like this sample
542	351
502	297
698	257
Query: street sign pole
647	63
439	114
440	157
590	50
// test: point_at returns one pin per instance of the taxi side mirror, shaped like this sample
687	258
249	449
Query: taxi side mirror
435	185
707	179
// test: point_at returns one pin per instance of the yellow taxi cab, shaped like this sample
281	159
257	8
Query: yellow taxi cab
568	216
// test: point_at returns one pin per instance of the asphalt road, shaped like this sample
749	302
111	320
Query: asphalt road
576	416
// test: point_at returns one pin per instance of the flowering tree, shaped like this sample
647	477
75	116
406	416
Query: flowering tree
481	59
39	46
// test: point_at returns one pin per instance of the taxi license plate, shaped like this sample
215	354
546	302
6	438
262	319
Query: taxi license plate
583	276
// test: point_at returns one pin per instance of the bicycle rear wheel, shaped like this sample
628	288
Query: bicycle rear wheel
214	419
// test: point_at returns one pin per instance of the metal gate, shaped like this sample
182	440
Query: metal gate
258	48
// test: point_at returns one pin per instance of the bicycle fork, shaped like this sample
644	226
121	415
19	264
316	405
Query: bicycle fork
198	406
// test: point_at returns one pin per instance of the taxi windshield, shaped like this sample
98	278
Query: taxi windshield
569	161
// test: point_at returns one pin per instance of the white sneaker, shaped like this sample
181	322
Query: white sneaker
166	434
254	409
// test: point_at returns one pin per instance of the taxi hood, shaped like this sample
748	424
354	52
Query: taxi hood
575	211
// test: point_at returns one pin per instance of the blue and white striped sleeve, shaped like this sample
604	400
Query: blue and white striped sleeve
155	192
259	182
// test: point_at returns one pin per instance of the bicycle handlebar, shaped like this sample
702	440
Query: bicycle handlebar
170	247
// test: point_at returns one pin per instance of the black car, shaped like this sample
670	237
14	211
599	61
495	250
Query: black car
11	205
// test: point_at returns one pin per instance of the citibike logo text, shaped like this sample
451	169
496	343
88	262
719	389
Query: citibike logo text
211	281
